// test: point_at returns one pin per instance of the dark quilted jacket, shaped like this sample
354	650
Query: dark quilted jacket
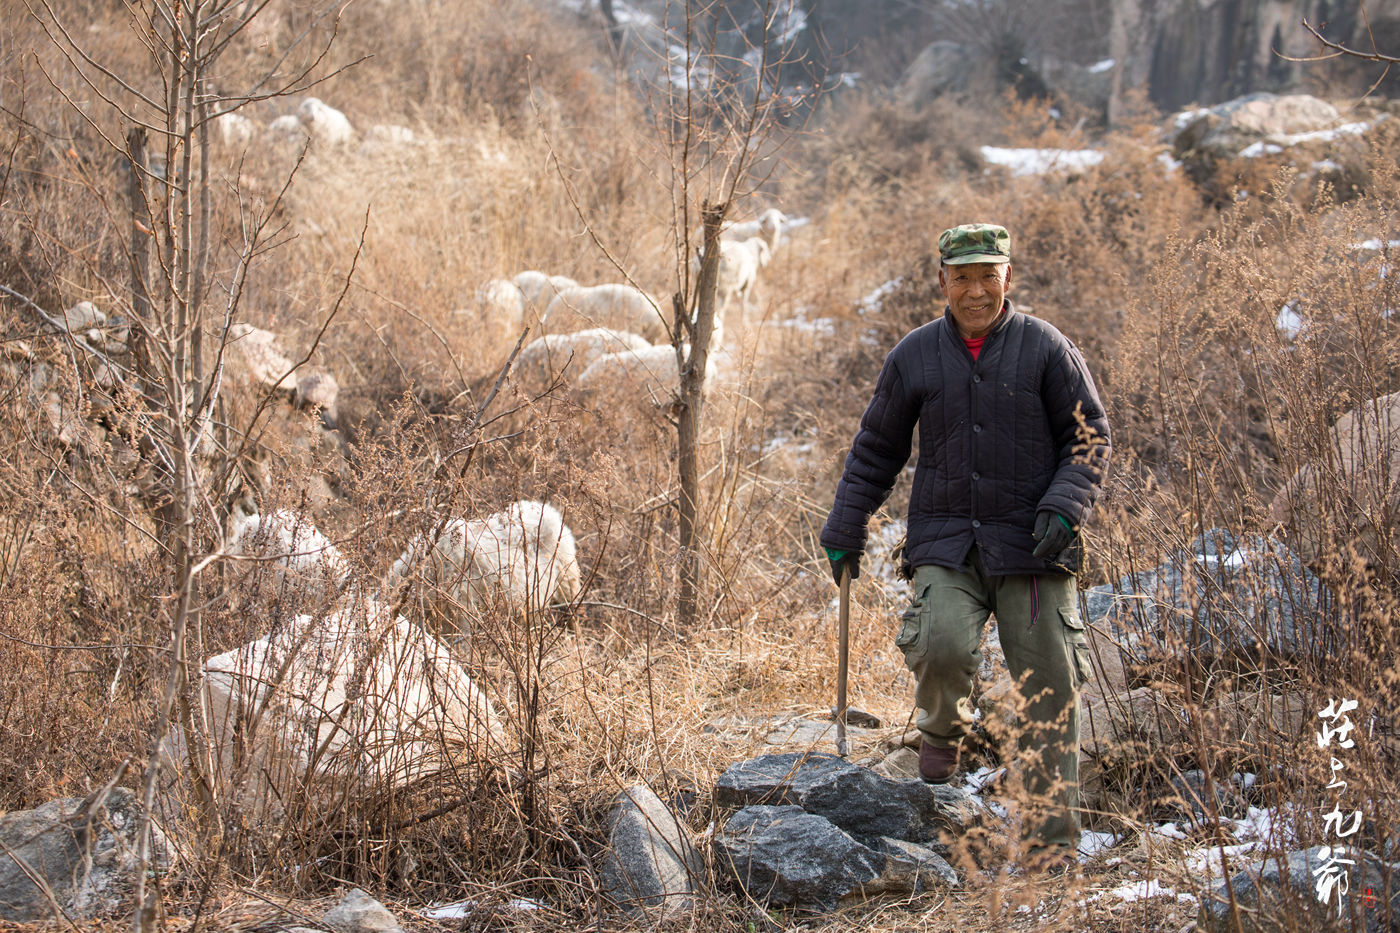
998	440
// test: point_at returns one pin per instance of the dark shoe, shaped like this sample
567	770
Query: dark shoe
937	762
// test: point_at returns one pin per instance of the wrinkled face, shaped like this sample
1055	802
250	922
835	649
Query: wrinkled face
975	292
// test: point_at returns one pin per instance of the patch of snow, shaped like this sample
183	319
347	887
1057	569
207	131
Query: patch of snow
1142	890
1289	322
1092	843
1327	165
1184	119
821	327
848	78
1041	161
626	13
1170	830
974	782
1213	860
1275	826
1277	144
875	301
685	72
789	21
1101	67
460	910
1171	165
1377	245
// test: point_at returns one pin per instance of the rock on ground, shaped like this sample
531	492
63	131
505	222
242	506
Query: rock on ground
855	799
651	861
1266	887
360	913
1224	596
83	851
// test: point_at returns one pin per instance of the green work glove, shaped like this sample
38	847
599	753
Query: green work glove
1053	532
840	559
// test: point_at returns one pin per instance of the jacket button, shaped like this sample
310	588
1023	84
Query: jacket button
976	378
976	475
976	523
976	429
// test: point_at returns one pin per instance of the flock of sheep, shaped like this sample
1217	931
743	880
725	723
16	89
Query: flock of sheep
613	333
314	121
523	558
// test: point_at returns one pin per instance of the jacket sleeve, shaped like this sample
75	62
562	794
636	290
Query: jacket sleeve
1081	432
878	454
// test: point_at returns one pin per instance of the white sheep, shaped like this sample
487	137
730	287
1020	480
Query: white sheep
771	219
324	123
739	264
500	308
523	558
234	130
547	356
617	307
285	132
302	561
539	290
650	374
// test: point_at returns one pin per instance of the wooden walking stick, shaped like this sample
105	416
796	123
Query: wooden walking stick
843	653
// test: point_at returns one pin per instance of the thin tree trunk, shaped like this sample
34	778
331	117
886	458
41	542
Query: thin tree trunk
692	401
140	255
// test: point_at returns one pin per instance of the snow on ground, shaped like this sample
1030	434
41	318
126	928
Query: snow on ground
1377	245
1102	66
1277	144
460	910
1141	891
875	301
1289	322
1041	161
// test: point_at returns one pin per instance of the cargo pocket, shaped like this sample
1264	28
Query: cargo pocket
912	625
1077	646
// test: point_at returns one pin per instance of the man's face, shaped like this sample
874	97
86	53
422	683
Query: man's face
975	292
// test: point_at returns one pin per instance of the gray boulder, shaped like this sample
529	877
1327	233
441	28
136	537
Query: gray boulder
80	851
360	913
855	799
1265	887
651	862
1227	129
787	857
1223	596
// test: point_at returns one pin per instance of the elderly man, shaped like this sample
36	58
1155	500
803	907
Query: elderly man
1013	445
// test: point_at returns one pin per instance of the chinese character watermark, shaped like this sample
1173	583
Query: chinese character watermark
1332	878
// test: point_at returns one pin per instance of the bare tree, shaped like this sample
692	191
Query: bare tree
158	120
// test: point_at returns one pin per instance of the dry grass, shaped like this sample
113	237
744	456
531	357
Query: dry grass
1172	297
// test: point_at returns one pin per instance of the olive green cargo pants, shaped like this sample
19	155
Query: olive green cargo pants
1043	639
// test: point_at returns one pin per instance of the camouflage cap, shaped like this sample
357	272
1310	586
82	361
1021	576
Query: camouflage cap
974	243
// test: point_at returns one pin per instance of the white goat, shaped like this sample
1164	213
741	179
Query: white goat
544	357
302	561
523	558
324	123
539	290
618	307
